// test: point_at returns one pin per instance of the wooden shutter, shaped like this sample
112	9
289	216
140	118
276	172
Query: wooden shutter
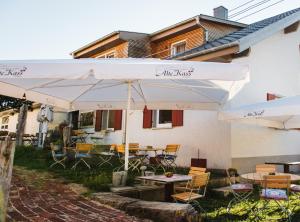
177	117
98	120
118	120
75	116
271	96
147	118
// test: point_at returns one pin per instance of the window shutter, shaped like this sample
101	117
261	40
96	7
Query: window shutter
271	96
177	117
118	120
147	118
98	120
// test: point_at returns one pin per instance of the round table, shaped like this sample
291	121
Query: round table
259	177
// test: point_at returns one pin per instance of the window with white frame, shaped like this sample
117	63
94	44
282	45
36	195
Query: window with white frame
108	119
86	119
4	123
162	118
178	47
107	55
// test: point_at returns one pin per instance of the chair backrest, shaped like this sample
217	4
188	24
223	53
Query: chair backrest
196	171
277	181
265	168
120	149
134	145
78	132
84	147
198	182
172	148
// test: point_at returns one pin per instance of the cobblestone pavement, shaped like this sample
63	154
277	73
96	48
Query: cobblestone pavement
35	197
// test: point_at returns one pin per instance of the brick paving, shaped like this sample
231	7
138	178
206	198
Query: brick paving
38	199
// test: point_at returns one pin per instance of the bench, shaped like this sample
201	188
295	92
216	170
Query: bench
286	165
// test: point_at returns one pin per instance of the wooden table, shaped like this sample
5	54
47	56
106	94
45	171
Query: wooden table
259	177
286	165
168	181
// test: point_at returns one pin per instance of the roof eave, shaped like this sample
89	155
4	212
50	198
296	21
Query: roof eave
267	31
199	53
94	42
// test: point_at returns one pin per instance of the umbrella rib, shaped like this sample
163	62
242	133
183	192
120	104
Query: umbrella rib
100	80
141	94
45	84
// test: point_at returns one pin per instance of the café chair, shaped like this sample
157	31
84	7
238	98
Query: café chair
240	191
58	157
168	157
265	168
104	154
195	190
276	189
82	154
133	161
194	171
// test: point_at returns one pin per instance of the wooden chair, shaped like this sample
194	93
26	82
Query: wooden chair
276	188
168	157
133	160
265	168
58	157
82	153
194	171
104	153
195	189
78	136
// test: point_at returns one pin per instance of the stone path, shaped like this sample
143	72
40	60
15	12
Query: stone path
36	197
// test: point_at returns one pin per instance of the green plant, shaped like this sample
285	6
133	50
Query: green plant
58	142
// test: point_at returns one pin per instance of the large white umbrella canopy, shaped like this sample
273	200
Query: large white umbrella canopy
88	84
281	113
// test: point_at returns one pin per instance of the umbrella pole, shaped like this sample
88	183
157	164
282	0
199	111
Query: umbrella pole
127	126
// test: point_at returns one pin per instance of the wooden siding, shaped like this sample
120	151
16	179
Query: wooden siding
121	51
217	30
194	38
139	48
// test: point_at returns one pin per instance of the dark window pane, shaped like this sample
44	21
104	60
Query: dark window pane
165	116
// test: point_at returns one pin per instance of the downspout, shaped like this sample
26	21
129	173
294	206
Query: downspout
200	25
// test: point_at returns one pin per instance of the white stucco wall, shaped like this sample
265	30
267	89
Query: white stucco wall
201	131
275	68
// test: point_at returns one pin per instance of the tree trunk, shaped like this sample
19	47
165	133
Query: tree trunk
21	124
7	151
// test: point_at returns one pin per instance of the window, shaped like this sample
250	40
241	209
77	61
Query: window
108	119
162	118
107	55
178	47
4	122
86	119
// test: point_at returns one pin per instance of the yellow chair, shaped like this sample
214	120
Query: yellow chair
133	161
194	171
195	189
83	152
168	157
276	188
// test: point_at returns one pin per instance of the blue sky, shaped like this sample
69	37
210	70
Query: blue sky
48	29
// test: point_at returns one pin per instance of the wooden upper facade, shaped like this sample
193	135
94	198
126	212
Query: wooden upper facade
162	44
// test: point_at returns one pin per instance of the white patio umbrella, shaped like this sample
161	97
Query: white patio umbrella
88	84
281	113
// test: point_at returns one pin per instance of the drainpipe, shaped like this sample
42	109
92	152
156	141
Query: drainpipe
200	25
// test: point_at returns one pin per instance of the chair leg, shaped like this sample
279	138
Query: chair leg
104	161
60	162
